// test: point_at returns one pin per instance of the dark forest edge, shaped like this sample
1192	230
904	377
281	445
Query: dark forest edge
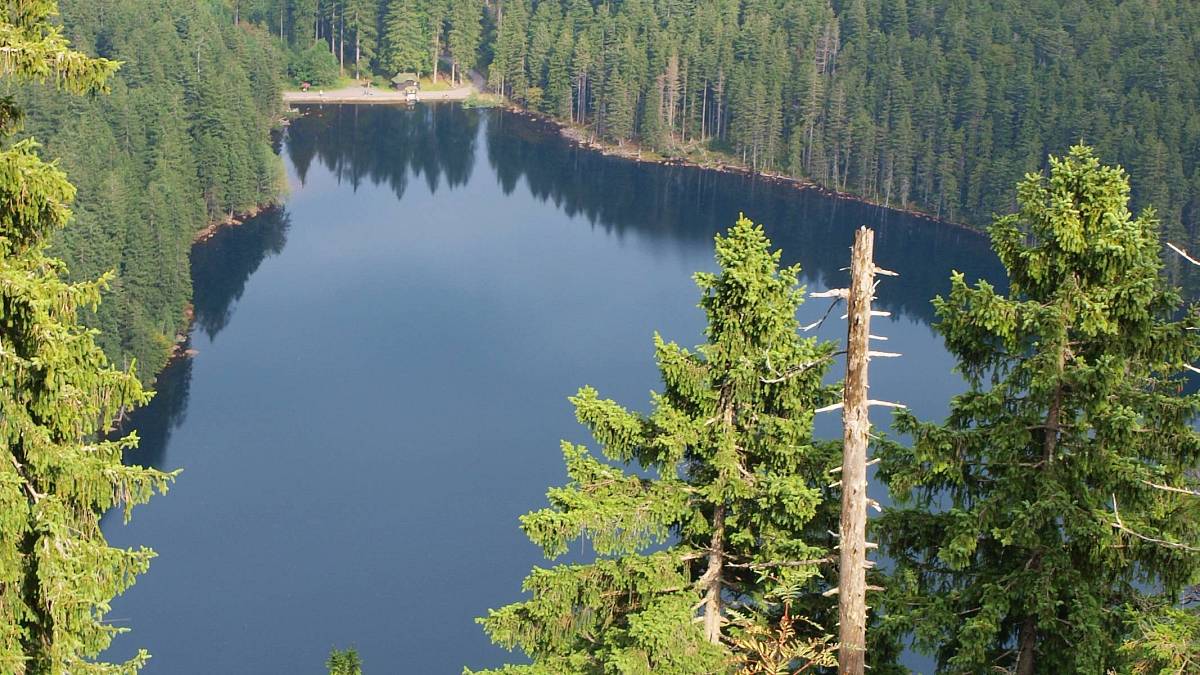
181	144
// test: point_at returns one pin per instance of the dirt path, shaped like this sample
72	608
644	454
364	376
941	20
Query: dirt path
357	94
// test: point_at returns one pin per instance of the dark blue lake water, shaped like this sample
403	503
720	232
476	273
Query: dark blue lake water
383	365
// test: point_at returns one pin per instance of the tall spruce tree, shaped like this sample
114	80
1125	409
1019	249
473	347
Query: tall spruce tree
405	37
57	395
466	32
506	73
701	549
362	19
1047	507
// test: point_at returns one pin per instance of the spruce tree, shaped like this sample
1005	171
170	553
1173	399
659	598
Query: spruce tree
1048	507
558	99
362	19
57	396
405	38
696	517
466	32
344	662
506	74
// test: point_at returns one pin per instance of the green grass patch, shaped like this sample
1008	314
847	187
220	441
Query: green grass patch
478	100
442	84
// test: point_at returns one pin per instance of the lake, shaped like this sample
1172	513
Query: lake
383	365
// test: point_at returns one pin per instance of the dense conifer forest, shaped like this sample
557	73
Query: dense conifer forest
940	105
181	141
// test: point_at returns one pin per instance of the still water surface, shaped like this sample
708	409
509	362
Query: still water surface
383	368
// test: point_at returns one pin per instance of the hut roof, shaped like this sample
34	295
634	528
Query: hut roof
401	78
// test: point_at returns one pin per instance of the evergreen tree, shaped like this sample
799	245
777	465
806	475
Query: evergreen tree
58	394
507	71
344	662
466	32
405	38
304	21
713	518
1051	502
558	99
361	20
1163	641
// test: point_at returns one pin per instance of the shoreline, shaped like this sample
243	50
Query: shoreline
356	96
573	135
233	220
180	348
577	137
633	152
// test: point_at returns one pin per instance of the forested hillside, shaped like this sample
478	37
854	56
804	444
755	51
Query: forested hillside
181	141
937	104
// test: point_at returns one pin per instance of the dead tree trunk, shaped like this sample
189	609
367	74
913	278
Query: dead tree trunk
852	578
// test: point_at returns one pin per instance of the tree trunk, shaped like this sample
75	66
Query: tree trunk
713	578
852	567
1028	638
1027	644
437	43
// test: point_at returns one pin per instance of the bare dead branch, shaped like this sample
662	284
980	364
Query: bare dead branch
1160	542
1168	488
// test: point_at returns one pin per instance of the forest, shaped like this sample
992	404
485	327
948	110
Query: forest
938	105
182	140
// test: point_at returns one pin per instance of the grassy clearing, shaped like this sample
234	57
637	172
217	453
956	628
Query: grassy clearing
478	100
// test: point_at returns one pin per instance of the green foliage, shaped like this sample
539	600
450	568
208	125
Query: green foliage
58	393
466	33
776	650
1165	641
361	17
344	662
181	141
406	37
1052	497
476	100
313	64
714	489
506	74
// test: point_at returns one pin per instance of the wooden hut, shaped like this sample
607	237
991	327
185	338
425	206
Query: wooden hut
407	84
